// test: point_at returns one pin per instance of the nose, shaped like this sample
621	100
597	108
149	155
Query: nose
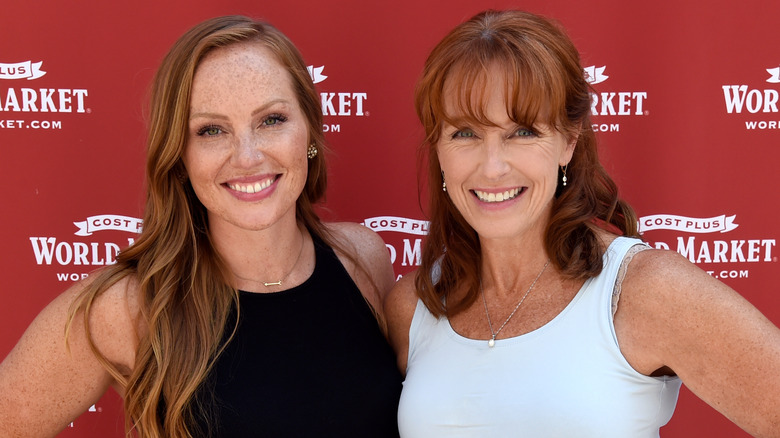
495	163
247	151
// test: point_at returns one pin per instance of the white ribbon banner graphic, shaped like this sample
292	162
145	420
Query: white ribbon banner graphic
21	70
397	224
722	223
108	222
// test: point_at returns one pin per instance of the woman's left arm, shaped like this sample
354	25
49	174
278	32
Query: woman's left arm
672	314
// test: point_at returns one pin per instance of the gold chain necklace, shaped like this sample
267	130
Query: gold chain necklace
492	340
279	282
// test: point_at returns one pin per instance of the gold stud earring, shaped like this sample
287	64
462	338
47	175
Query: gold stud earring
312	151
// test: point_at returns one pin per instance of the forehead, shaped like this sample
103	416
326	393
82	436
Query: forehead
242	69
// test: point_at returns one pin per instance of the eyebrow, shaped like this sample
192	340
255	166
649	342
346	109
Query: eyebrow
259	109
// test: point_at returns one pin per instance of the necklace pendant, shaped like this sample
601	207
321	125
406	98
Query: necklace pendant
492	342
275	283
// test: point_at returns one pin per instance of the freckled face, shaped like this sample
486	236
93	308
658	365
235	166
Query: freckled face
502	178
246	148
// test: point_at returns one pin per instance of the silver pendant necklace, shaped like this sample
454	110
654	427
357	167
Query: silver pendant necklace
492	340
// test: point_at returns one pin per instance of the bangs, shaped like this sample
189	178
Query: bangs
532	79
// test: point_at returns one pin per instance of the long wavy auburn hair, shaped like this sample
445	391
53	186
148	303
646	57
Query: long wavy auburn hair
185	289
544	82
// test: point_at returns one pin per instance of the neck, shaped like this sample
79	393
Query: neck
261	256
511	264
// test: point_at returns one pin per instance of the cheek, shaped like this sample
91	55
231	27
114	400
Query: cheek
206	159
297	165
196	169
199	183
301	171
452	165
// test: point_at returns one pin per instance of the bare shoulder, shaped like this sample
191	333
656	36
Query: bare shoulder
357	238
116	324
673	315
663	284
374	275
400	305
402	298
670	295
45	372
666	275
113	318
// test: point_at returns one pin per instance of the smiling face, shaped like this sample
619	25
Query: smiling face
501	175
247	138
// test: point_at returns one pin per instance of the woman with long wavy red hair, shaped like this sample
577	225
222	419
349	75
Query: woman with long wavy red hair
236	312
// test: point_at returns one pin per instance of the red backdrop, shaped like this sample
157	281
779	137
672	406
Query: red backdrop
686	109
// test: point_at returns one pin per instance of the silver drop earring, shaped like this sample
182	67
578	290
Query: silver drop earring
563	169
443	182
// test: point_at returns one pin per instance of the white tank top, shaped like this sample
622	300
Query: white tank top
565	379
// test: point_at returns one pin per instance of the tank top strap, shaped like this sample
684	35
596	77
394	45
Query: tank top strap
327	266
603	290
634	248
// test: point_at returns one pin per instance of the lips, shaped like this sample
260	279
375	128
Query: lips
253	187
492	197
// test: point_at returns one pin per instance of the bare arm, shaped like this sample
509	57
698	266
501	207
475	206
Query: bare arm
672	314
374	277
399	309
43	385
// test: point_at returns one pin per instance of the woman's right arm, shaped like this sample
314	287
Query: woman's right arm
399	307
44	384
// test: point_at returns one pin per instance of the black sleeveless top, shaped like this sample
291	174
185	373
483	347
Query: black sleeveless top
310	361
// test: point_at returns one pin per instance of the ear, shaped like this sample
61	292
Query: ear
568	152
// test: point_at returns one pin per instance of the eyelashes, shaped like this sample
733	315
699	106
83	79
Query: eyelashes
271	120
463	133
526	132
209	131
521	132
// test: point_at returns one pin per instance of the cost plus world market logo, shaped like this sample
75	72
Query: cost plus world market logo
407	250
25	101
761	101
609	104
21	70
701	246
337	103
49	250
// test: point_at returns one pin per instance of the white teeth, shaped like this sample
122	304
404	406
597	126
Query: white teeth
252	188
497	197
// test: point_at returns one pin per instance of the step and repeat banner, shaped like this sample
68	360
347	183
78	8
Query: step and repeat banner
686	110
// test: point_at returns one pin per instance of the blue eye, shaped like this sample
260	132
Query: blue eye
525	132
209	131
465	133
